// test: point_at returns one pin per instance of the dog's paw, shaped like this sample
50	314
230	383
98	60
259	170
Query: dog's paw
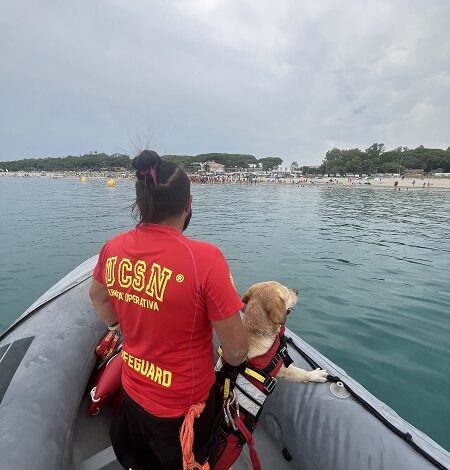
318	375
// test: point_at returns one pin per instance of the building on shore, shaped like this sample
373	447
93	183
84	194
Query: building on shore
215	167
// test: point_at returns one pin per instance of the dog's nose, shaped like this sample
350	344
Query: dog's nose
296	291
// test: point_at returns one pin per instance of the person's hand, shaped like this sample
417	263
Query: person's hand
107	346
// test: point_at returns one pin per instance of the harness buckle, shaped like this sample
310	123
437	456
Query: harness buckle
283	352
269	384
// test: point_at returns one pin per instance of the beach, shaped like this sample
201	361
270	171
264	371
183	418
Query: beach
387	182
408	183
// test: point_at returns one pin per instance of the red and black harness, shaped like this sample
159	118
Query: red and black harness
245	389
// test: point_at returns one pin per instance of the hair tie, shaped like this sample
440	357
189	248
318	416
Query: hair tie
154	176
150	172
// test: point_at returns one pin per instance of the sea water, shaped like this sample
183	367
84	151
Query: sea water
372	268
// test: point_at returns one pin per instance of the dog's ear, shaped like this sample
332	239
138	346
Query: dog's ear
246	297
276	308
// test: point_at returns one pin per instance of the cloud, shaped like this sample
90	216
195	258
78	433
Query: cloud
290	79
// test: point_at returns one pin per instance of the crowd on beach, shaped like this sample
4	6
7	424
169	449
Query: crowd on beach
224	179
308	181
395	182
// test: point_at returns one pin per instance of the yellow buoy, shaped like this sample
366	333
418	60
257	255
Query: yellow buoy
83	179
110	183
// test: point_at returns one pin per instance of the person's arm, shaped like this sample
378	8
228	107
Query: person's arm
100	300
233	338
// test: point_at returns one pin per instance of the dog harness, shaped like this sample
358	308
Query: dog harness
245	389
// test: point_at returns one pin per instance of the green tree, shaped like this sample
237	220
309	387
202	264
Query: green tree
269	163
230	160
375	150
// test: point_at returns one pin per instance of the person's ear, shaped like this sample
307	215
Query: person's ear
188	204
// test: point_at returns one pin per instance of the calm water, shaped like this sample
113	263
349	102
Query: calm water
372	267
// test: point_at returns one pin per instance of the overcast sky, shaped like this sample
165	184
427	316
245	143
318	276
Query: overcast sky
285	78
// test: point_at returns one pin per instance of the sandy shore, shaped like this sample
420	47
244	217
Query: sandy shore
388	182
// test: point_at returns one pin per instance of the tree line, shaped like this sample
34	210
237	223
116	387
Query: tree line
376	159
372	160
102	161
229	160
91	161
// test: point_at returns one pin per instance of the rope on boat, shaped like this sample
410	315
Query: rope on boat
187	437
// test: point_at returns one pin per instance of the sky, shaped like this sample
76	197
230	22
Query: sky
291	78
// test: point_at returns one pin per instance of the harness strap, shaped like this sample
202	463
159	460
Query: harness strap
255	374
281	354
250	442
262	377
226	388
229	374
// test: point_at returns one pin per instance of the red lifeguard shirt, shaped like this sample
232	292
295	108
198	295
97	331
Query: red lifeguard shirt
165	289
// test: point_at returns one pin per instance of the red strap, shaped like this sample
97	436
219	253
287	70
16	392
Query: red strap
250	442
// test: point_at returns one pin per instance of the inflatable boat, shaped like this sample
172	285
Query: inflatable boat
47	358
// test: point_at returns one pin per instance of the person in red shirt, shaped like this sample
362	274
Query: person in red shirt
167	293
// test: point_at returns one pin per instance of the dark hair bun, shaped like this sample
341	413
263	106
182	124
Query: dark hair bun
146	160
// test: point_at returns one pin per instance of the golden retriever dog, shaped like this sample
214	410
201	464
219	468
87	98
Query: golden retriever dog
268	304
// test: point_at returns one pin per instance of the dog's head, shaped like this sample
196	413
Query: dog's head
268	304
